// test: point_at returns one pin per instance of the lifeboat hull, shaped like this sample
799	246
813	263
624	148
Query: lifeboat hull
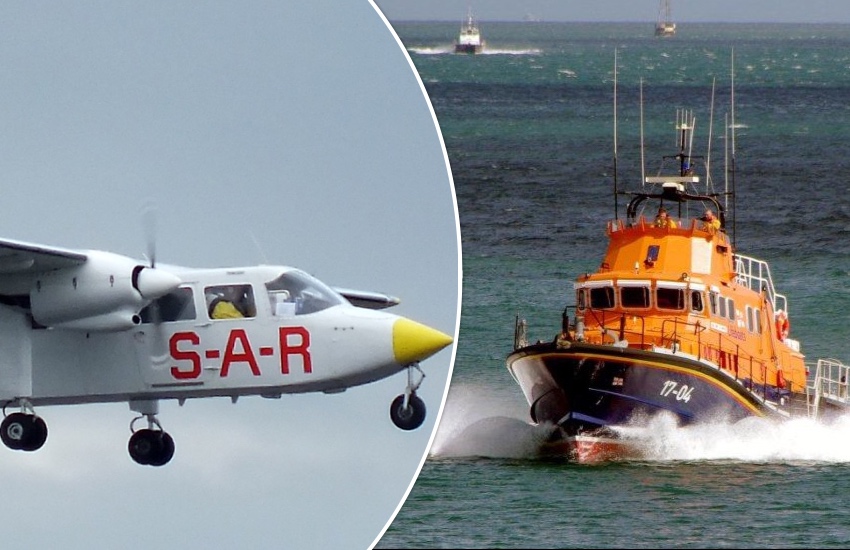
589	390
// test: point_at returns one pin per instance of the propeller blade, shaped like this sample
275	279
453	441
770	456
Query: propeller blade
149	222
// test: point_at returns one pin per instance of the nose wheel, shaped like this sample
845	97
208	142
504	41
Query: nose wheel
407	411
23	431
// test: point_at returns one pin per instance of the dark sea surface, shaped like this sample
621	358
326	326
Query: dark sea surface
529	131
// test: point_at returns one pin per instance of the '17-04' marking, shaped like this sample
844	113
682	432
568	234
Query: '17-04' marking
674	389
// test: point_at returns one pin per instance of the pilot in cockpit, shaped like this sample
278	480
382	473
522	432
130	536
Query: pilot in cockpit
229	302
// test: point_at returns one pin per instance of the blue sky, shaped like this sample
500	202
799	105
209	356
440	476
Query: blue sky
288	133
683	11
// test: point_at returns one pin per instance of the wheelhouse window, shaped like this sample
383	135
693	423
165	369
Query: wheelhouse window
178	305
634	296
602	297
731	309
296	293
230	301
670	295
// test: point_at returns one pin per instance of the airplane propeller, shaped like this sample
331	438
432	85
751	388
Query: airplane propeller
149	221
153	283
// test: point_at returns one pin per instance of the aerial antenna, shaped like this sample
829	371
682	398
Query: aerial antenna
693	124
616	190
734	202
642	158
708	182
259	247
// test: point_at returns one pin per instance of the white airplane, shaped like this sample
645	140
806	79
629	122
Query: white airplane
93	327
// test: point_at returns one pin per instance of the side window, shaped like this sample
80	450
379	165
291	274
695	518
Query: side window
230	301
581	298
712	302
750	319
731	309
178	305
722	309
696	301
634	296
602	298
757	313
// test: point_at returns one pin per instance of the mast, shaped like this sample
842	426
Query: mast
734	194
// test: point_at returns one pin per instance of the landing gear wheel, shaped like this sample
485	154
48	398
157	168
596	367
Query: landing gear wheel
410	417
23	432
151	447
37	434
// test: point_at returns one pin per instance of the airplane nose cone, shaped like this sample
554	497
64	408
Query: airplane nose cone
414	342
154	283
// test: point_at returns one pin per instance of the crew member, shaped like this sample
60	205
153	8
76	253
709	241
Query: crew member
711	222
663	220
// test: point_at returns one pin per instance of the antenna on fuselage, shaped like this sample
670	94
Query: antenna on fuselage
259	247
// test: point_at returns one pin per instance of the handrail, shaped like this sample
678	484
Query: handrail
755	275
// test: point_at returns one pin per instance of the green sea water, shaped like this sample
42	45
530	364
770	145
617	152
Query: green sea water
528	128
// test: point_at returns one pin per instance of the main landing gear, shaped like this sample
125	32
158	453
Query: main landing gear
151	446
407	411
23	431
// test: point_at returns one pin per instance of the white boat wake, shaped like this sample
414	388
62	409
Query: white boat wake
476	423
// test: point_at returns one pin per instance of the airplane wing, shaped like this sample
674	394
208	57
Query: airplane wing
19	257
368	299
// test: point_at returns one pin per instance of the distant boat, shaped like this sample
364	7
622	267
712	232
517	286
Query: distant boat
665	26
469	40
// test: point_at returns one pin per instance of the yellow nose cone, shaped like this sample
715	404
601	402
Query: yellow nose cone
414	342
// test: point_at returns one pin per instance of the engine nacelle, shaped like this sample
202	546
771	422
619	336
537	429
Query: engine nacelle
115	321
103	294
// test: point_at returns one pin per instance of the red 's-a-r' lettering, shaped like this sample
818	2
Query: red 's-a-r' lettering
246	356
180	355
301	348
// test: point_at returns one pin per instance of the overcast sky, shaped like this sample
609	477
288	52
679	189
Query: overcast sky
683	11
291	133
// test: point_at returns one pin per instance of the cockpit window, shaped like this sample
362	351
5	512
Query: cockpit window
174	306
296	293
